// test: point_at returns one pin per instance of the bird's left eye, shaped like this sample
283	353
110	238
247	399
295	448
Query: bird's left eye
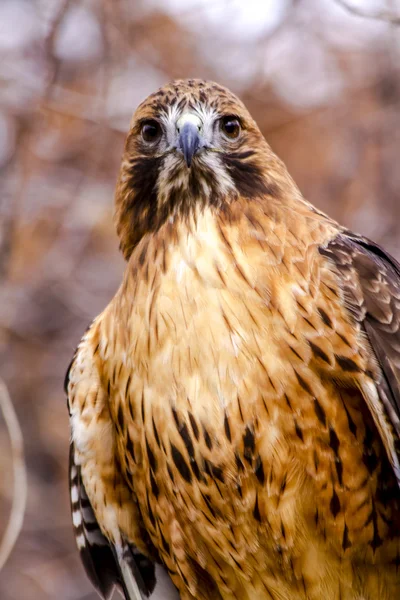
151	131
230	126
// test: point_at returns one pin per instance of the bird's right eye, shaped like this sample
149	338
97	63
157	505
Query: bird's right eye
151	131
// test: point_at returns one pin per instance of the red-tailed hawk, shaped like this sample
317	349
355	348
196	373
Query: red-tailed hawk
235	408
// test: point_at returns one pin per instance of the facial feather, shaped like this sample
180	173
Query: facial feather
156	184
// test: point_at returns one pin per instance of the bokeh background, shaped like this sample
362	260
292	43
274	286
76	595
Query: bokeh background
321	80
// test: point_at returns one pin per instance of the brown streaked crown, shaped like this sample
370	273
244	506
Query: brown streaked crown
155	183
191	92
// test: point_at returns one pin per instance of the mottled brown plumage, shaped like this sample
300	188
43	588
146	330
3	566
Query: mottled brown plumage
235	408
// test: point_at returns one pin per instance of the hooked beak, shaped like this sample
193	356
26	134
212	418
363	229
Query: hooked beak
189	141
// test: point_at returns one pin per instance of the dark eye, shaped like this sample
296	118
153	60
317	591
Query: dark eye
151	131
230	127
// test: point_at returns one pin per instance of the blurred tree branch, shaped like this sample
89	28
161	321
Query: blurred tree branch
380	15
20	485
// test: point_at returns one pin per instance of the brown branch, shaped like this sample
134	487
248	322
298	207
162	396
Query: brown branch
20	481
380	15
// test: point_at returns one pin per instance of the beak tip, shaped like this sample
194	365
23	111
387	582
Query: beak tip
189	142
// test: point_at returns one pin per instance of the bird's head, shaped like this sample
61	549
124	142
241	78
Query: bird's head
191	144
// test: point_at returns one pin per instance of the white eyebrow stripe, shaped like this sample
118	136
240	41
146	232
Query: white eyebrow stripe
171	115
206	112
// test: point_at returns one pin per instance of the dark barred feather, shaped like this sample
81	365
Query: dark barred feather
106	566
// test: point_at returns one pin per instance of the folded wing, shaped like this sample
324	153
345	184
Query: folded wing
370	280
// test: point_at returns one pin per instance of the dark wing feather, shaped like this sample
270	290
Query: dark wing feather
370	279
96	554
99	558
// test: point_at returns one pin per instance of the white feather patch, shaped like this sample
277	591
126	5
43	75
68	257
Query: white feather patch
80	541
76	518
74	494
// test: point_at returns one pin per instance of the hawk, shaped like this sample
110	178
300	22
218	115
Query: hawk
235	408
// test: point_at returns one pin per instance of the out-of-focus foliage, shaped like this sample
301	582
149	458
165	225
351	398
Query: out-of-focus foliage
322	83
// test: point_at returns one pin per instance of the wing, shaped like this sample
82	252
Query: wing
96	555
100	559
108	565
370	279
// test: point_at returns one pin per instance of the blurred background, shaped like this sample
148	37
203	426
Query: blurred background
321	79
